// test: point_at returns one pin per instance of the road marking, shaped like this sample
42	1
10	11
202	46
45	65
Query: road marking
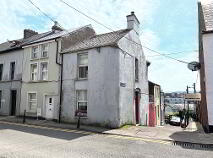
50	128
141	139
88	133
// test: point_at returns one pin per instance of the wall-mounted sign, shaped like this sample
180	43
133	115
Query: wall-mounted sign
122	84
192	97
194	66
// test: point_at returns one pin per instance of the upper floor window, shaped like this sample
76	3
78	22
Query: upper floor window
44	50
82	66
34	54
1	71
12	70
44	71
136	70
34	71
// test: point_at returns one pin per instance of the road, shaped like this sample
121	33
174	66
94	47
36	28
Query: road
30	141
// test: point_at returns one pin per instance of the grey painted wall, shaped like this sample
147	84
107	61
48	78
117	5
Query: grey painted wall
102	86
109	104
6	85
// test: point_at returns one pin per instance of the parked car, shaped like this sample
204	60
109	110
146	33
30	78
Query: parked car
175	120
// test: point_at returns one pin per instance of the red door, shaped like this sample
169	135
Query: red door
137	113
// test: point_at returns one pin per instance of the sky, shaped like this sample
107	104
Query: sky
167	26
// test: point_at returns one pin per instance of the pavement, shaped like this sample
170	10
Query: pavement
26	141
192	134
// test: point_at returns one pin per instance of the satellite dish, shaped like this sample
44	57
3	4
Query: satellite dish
194	66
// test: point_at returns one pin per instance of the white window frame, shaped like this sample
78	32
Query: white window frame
81	101
41	47
78	58
42	71
32	58
36	63
28	102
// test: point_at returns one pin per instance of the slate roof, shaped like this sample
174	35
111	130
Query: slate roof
100	40
208	16
9	45
58	34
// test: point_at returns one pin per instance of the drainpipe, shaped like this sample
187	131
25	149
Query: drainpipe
61	78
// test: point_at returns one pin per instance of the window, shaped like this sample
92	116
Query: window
136	70
82	66
44	71
32	102
44	50
1	71
34	54
34	71
82	101
0	98
12	70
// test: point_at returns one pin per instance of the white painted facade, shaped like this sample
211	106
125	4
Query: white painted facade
208	58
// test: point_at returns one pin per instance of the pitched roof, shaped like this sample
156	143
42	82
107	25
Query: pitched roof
100	40
58	34
17	44
208	16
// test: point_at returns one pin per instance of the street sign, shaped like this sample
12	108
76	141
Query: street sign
192	97
194	66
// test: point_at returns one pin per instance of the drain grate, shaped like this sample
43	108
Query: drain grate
194	145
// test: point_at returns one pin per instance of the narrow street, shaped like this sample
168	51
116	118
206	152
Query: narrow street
31	141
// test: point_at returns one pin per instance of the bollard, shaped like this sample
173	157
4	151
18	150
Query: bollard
78	124
24	116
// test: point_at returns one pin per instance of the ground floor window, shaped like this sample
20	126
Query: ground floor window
82	101
32	102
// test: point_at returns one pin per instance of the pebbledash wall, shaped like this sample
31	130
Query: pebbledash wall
109	103
208	56
6	84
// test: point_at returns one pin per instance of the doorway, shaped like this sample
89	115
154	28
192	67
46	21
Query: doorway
49	107
137	105
13	102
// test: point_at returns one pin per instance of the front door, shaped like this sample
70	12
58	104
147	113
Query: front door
49	107
13	102
137	102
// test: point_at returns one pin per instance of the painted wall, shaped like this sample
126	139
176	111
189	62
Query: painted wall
42	88
208	57
102	87
135	50
6	85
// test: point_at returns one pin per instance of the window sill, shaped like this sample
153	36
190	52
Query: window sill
38	81
44	57
34	59
81	79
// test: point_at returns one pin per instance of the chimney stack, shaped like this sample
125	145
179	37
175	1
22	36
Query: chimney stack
57	27
133	22
28	33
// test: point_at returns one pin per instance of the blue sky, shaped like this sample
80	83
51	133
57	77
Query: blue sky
167	26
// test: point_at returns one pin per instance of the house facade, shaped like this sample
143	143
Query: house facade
105	79
205	14
11	58
41	77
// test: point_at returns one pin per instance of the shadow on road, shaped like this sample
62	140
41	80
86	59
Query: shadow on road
44	132
196	140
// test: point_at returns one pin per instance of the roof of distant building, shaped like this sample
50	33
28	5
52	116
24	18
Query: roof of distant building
101	40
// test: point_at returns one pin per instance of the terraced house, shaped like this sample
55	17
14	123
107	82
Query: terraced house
41	80
105	79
